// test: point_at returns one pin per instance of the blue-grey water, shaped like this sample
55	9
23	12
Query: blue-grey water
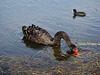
52	15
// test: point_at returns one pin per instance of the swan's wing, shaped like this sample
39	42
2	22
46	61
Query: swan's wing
40	36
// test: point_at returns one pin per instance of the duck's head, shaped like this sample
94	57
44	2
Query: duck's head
74	10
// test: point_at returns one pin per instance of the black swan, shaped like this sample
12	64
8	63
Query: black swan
79	13
41	36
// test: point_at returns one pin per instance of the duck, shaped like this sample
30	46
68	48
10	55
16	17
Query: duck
41	36
82	14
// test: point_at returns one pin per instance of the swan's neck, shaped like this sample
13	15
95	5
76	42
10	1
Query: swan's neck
58	36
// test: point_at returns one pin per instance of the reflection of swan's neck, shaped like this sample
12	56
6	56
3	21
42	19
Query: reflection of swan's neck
58	36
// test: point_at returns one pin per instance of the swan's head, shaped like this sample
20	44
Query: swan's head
24	29
74	49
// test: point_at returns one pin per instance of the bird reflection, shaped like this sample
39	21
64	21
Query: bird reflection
57	50
60	56
32	44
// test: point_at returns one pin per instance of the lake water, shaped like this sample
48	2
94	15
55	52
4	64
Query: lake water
52	15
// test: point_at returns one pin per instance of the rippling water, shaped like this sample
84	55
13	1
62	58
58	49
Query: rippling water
52	15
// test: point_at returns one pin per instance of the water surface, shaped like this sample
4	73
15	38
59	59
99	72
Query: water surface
52	15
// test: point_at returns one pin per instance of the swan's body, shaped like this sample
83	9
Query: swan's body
41	36
78	13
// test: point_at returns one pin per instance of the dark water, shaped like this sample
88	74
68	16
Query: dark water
52	15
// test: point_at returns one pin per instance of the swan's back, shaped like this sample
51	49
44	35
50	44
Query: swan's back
37	34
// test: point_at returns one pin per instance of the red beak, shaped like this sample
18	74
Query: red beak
76	52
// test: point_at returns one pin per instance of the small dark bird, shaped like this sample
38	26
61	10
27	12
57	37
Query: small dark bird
41	36
82	14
